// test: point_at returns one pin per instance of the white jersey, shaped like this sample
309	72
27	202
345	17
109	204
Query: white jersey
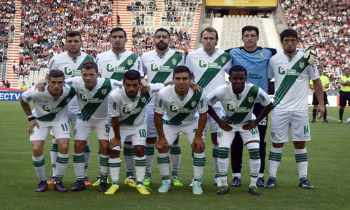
131	111
93	103
239	108
296	99
111	65
71	67
159	70
209	71
177	111
46	107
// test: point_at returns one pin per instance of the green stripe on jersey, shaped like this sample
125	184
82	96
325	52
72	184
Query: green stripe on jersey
90	108
124	67
173	61
190	105
247	104
143	100
211	72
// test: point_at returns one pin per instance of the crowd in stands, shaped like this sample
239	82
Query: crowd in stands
7	28
326	25
44	24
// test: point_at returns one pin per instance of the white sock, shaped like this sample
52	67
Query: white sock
61	164
275	159
222	166
87	158
149	152
215	160
129	159
79	164
175	155
302	162
198	165
103	165
39	167
114	169
163	163
140	168
239	175
254	162
53	156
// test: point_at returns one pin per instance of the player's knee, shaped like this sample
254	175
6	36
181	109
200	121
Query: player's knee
37	149
277	145
79	146
114	153
299	144
139	150
151	140
164	149
63	147
104	145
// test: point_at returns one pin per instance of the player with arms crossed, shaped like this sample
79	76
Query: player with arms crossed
49	114
238	99
292	69
179	105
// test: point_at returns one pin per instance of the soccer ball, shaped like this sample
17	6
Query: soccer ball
348	120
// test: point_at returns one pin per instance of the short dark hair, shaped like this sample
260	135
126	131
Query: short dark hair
212	30
89	65
288	33
162	30
116	29
181	69
73	34
132	75
55	73
250	28
238	68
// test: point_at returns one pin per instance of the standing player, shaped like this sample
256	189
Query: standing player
113	64
50	113
238	99
292	70
209	65
344	92
255	60
127	108
158	66
92	95
179	105
70	62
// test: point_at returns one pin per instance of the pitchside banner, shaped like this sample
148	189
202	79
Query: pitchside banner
9	94
241	3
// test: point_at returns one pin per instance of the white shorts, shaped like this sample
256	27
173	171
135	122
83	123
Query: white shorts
171	132
151	128
59	129
84	128
225	140
294	121
135	135
212	126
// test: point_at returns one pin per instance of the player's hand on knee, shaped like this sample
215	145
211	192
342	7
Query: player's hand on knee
162	144
249	125
32	125
116	144
198	144
225	125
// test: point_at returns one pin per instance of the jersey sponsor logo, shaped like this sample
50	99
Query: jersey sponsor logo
154	67
284	71
111	68
126	109
202	63
71	72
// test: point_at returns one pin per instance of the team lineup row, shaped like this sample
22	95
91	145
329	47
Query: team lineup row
126	108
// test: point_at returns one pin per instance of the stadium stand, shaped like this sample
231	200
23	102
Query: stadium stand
326	25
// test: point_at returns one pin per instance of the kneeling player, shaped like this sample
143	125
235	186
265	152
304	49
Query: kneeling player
179	103
238	99
127	107
50	113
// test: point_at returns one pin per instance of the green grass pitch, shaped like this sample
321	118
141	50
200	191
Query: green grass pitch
329	171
